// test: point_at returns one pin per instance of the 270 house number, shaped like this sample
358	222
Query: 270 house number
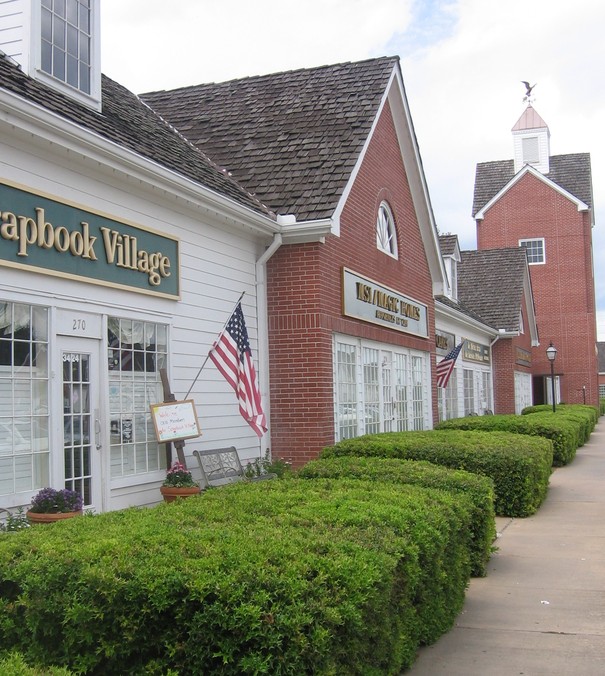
79	325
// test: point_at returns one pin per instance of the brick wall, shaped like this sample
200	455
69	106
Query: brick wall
563	288
305	299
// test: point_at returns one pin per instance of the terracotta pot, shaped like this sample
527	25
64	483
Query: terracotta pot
171	493
34	517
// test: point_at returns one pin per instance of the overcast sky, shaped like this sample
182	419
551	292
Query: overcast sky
462	62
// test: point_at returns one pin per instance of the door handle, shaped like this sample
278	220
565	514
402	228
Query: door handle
97	430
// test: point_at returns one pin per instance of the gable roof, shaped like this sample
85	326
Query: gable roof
571	172
293	138
128	122
492	283
448	244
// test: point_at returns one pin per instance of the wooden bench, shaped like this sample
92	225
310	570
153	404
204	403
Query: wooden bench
220	466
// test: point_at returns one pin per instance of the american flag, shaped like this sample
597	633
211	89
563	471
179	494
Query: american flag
233	358
446	366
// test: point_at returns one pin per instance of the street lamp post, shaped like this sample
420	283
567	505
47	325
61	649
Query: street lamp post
551	353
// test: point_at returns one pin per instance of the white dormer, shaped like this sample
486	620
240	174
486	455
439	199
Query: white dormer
450	252
57	42
531	138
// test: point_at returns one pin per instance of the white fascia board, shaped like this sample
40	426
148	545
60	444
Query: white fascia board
527	169
307	231
41	123
445	311
531	310
395	94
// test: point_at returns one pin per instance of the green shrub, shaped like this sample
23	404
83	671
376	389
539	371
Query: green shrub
519	466
585	416
479	490
13	664
601	406
561	431
281	577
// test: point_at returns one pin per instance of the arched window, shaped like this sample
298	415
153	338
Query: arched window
386	238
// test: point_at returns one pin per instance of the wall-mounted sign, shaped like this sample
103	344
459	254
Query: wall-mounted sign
372	302
475	352
444	341
175	420
42	234
522	357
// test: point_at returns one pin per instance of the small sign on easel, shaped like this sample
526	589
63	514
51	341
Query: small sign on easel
175	421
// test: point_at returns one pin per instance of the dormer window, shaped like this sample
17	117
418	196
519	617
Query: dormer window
386	235
66	40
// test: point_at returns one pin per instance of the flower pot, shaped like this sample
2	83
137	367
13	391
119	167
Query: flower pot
171	493
34	517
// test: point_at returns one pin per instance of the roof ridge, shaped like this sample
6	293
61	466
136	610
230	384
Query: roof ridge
262	76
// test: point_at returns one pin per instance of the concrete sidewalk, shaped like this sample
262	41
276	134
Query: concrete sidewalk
541	609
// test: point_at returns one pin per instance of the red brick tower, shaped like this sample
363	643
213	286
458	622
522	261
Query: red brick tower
544	203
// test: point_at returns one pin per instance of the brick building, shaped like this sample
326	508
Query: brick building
351	289
489	308
544	203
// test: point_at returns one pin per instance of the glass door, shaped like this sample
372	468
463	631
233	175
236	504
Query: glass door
81	424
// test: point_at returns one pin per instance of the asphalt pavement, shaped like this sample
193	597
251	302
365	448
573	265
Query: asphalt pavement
540	611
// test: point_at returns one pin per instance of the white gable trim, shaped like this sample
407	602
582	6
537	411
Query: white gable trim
410	153
527	169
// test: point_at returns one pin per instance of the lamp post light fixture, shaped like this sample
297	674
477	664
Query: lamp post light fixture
551	353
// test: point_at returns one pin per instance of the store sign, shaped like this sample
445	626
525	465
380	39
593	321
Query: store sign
444	341
371	302
522	357
475	352
42	234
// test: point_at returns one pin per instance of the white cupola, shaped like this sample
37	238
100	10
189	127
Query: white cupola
57	42
531	139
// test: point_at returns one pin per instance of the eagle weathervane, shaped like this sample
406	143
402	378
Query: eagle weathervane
528	90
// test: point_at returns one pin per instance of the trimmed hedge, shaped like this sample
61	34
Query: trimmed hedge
518	465
479	490
13	664
585	416
561	431
282	577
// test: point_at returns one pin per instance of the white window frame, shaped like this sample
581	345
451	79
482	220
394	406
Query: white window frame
92	98
386	232
530	148
531	251
389	392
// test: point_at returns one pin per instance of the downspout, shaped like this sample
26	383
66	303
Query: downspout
263	330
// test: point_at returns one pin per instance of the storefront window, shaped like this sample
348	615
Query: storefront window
378	390
469	392
24	444
137	351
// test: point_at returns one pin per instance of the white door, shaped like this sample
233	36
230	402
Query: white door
81	427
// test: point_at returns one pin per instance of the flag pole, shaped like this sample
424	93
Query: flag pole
239	300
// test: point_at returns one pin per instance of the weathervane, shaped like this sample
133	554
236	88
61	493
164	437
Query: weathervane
528	90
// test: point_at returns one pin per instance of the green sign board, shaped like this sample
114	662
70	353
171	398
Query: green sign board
45	235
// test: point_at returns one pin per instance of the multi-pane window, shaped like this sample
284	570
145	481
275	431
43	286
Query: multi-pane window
448	398
24	443
469	392
136	352
66	38
601	391
386	236
379	390
535	250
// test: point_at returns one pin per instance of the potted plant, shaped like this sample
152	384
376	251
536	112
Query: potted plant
178	483
51	505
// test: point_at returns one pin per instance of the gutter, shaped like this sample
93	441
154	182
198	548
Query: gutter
262	315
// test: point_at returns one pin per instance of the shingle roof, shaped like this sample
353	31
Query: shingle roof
447	244
570	172
130	123
291	138
461	307
491	284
